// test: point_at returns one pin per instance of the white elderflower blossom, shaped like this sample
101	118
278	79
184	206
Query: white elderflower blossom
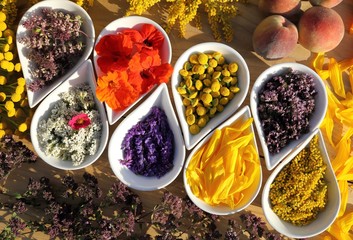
73	128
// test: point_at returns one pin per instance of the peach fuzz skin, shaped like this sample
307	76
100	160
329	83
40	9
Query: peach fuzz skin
320	29
325	3
275	37
285	8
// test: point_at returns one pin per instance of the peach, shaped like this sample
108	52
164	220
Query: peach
275	37
285	8
320	29
325	3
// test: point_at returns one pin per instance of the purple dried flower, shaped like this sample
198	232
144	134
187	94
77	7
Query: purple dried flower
148	147
12	155
55	42
16	225
286	103
19	207
175	204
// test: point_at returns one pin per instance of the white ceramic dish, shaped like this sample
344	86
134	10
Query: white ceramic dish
84	74
118	25
159	98
324	219
242	115
272	159
243	82
35	97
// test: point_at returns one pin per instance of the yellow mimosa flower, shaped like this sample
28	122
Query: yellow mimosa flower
8	56
2	133
10	67
3	26
20	89
18	67
21	81
4	64
2	96
22	127
3	80
2	16
11	112
9	105
16	97
5	47
3	125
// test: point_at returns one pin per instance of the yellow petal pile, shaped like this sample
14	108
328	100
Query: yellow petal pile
338	128
226	169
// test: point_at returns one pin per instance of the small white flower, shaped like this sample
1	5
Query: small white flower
58	139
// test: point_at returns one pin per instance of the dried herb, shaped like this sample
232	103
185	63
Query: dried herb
148	147
80	210
55	42
285	105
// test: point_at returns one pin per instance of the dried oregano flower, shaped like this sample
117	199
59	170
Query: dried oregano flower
182	12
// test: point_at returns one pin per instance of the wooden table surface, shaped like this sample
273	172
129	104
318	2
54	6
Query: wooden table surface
105	11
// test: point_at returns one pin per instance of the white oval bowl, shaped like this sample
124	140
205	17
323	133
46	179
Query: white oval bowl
35	97
324	219
321	102
230	55
84	74
159	98
120	24
242	114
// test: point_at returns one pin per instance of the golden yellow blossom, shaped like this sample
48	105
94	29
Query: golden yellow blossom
8	56
18	67
3	80
15	97
2	133
183	12
22	127
21	81
2	96
11	112
2	16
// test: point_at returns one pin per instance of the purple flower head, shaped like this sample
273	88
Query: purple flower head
286	103
148	147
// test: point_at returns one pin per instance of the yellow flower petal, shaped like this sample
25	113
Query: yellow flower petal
318	65
351	79
336	78
345	116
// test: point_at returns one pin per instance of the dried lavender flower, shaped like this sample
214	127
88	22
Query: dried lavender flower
148	147
286	103
55	41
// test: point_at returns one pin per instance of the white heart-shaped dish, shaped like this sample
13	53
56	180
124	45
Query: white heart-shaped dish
84	74
159	98
325	218
272	159
242	115
120	24
87	27
243	76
